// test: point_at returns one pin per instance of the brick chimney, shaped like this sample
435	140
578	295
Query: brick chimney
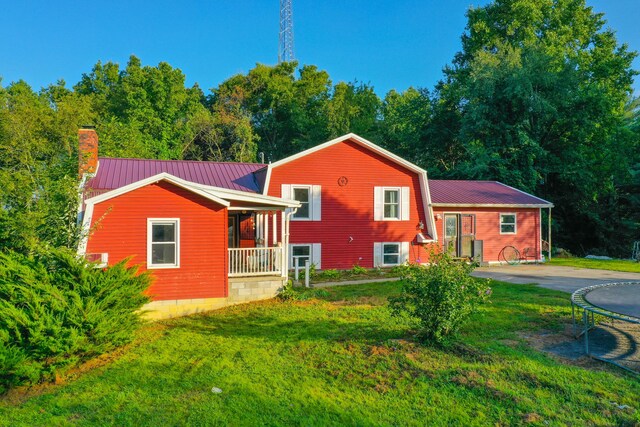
87	150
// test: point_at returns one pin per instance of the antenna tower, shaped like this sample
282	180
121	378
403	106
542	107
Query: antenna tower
285	37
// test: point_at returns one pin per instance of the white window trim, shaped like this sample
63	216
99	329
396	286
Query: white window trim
404	203
378	253
150	223
315	200
399	191
382	254
315	255
298	245
515	222
309	188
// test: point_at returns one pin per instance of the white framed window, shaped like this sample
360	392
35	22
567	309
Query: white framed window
303	252
508	223
391	203
163	242
310	201
388	254
303	195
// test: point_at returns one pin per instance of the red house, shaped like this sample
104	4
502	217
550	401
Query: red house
216	234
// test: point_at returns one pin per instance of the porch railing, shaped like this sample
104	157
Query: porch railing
255	261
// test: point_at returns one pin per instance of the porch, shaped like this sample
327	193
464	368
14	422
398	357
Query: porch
258	242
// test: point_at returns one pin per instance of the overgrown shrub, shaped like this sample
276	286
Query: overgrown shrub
357	270
56	310
329	274
441	296
290	293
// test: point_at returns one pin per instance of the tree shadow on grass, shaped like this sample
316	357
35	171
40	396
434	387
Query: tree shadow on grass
281	325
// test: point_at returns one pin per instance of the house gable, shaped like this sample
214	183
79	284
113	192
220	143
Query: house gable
348	175
118	226
342	163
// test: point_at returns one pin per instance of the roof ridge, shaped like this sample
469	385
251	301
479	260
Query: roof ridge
183	161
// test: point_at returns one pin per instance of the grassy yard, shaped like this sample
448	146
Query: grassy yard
613	264
340	360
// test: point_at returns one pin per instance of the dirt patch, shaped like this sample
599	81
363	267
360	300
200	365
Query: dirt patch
617	342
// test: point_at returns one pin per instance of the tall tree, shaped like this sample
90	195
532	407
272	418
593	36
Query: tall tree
291	113
38	165
143	111
536	99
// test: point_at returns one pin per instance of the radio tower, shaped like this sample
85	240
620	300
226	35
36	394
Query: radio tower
285	38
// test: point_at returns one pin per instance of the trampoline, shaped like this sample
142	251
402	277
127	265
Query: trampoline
618	303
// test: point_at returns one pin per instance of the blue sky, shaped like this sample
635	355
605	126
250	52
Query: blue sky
389	44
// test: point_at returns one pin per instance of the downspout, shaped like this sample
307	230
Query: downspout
287	222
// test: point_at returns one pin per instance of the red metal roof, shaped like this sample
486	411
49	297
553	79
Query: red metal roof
454	192
115	173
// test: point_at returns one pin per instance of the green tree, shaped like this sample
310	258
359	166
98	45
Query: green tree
291	113
142	111
226	134
353	108
406	116
38	165
536	100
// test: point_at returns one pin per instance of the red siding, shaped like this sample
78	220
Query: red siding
488	229
122	232
347	211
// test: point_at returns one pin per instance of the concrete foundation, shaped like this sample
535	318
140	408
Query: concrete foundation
241	290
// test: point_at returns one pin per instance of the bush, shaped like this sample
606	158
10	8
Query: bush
56	311
441	296
357	270
289	293
330	274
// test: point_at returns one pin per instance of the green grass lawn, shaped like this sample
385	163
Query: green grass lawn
340	360
613	264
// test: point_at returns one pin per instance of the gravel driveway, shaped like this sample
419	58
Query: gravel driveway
567	279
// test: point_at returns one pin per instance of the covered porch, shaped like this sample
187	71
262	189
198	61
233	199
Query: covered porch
258	239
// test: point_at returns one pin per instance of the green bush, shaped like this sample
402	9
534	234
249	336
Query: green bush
56	311
441	296
357	270
331	274
289	293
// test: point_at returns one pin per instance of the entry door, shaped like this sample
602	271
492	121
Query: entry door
459	234
451	234
467	235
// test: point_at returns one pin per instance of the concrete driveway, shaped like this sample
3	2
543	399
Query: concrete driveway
567	279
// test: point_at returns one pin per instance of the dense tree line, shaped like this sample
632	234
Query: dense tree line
539	98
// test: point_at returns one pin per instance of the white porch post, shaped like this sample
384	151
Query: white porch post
283	242
275	223
266	229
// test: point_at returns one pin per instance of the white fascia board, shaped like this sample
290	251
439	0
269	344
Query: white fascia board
243	196
267	180
152	180
85	229
428	206
489	205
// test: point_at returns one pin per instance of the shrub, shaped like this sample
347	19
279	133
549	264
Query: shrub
289	293
331	273
56	310
312	272
356	270
441	296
